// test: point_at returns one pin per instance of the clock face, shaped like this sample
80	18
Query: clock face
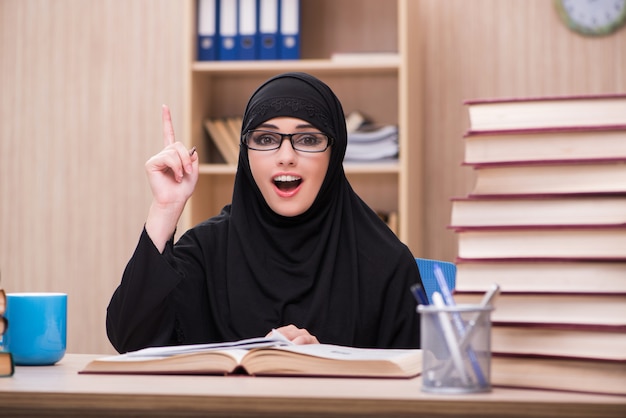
592	17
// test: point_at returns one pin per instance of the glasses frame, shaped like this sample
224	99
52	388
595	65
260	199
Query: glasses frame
244	141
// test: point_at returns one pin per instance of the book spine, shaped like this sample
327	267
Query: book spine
530	131
496	100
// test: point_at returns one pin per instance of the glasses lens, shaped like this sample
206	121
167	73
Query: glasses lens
262	140
310	142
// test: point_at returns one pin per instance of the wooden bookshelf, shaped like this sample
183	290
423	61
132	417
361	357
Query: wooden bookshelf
380	88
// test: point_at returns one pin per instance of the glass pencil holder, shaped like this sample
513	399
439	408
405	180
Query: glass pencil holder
456	348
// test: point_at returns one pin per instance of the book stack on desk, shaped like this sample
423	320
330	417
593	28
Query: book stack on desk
546	220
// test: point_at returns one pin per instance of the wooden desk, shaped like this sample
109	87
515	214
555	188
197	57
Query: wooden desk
60	391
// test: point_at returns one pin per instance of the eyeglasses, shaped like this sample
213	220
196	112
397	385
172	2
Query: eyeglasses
260	140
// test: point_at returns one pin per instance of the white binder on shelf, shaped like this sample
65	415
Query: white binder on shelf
207	30
290	29
228	30
268	29
247	30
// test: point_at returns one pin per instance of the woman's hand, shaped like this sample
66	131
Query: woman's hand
172	174
297	335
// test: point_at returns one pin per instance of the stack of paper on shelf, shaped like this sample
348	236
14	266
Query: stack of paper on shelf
377	144
546	220
369	142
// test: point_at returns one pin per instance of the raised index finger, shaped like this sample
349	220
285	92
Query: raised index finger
168	128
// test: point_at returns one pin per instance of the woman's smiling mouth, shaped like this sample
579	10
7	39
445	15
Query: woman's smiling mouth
286	182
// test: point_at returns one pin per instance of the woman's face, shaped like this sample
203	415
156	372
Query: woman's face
288	179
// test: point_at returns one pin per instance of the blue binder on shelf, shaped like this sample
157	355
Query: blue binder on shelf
290	29
227	29
247	30
268	29
207	30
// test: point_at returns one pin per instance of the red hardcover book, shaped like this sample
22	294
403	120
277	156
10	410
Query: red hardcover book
538	210
593	177
536	275
549	144
548	340
586	242
546	112
563	374
600	309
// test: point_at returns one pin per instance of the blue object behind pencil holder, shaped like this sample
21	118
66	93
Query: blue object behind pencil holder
426	268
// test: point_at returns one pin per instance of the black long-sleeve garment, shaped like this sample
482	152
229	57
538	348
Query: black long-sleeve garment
336	270
181	297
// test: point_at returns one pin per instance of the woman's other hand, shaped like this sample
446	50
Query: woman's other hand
297	335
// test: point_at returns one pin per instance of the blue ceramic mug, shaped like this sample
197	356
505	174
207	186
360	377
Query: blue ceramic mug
36	335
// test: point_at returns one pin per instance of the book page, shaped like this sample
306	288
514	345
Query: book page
336	352
332	360
173	350
235	353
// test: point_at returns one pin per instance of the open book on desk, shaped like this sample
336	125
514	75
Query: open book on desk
264	357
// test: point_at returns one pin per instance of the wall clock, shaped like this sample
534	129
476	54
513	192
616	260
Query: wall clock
592	17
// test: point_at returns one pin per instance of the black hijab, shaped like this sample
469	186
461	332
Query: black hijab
336	270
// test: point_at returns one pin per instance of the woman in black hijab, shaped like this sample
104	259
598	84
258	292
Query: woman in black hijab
328	270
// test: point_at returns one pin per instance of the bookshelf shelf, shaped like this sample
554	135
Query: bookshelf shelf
322	66
362	52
